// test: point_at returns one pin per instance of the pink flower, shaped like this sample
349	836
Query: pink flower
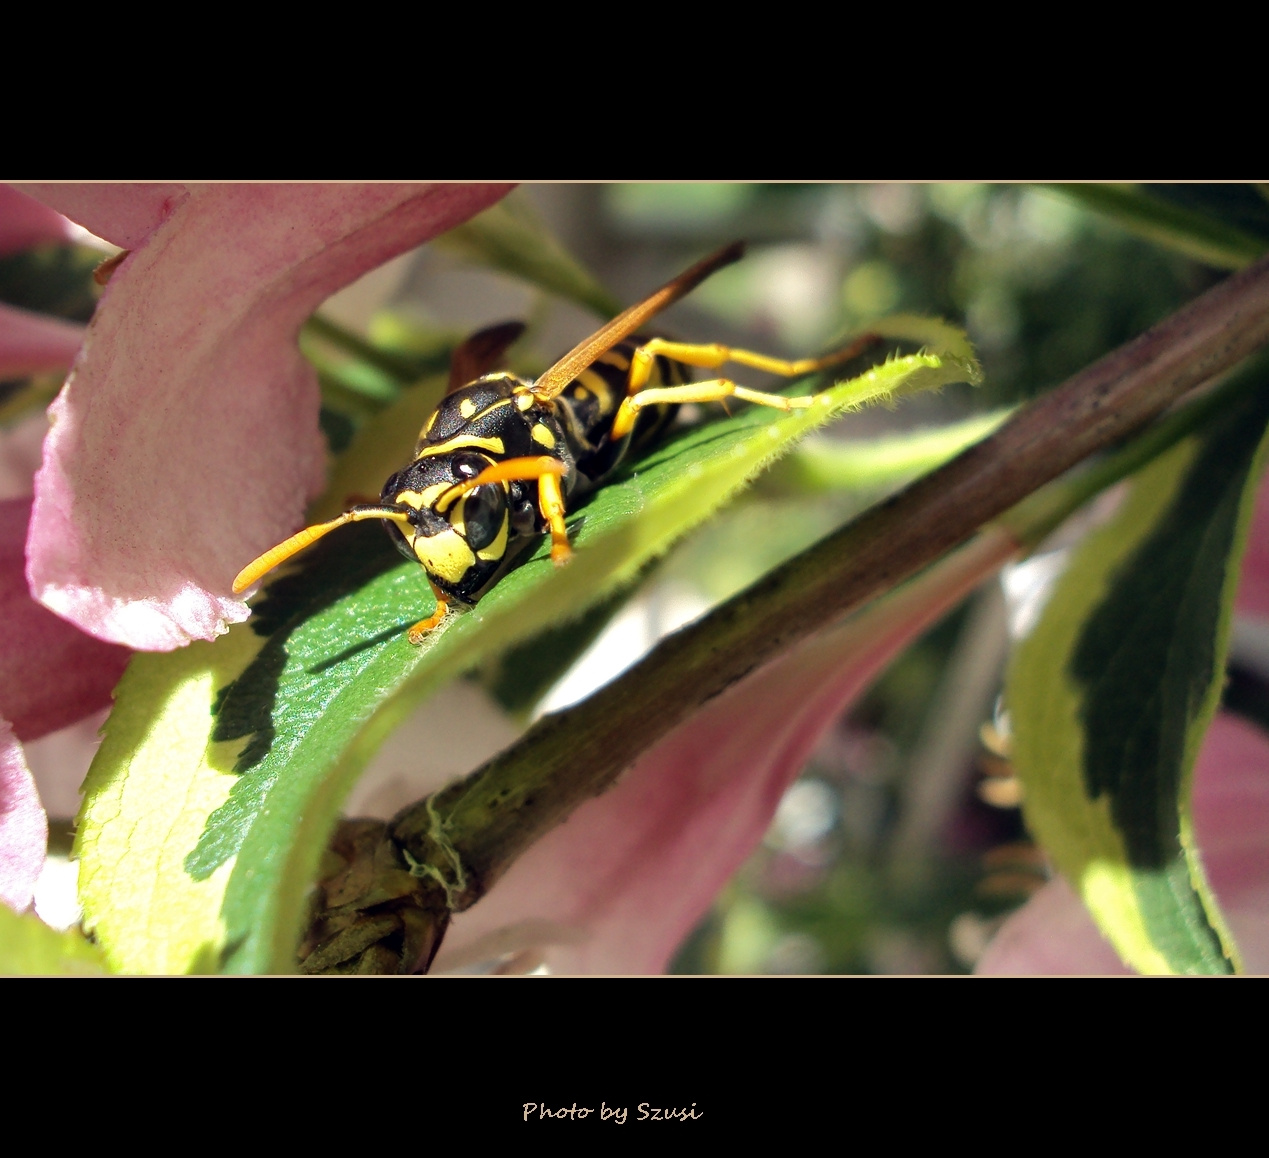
25	223
31	343
23	828
51	674
185	439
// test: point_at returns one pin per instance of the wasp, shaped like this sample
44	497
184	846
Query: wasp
502	459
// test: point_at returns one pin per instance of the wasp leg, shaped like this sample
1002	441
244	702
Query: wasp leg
715	390
551	504
419	631
710	357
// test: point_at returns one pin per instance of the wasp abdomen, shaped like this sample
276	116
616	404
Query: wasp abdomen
591	402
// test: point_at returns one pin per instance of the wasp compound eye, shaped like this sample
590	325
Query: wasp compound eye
467	465
391	488
484	510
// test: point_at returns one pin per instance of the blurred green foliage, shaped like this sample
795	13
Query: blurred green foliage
52	279
1043	286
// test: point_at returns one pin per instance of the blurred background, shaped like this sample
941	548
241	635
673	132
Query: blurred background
900	849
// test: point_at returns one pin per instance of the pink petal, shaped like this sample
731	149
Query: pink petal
186	440
23	827
618	886
35	344
24	222
1231	824
59	763
1053	933
20	449
123	214
51	673
1253	585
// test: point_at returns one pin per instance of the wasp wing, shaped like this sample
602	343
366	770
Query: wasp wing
550	384
481	353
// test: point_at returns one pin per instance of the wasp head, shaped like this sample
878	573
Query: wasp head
465	537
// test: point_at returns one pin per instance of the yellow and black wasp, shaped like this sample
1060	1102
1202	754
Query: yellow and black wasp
501	459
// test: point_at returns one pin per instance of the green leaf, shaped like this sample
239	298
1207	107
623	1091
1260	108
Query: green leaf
1111	695
148	794
520	677
1190	231
1243	206
201	837
823	464
509	237
28	947
365	366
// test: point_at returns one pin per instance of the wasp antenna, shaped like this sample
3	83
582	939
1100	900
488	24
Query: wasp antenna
301	539
628	321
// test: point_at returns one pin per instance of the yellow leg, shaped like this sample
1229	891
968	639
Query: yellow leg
710	357
419	631
713	391
551	504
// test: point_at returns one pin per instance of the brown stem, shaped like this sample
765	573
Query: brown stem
472	831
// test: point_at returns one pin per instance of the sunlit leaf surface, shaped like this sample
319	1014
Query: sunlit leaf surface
1112	693
29	947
